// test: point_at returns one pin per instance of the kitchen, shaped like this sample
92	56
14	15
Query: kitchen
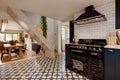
93	50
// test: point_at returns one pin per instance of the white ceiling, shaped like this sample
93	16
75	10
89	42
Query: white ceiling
57	9
12	25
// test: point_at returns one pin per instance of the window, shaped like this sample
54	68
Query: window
2	36
67	35
63	33
15	36
8	37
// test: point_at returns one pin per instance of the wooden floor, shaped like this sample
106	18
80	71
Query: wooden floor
28	54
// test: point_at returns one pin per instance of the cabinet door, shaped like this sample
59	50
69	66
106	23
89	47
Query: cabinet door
117	14
117	64
67	54
109	64
71	27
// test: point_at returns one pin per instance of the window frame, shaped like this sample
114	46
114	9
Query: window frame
5	36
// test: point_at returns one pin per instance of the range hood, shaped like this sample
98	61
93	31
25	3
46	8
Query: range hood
90	16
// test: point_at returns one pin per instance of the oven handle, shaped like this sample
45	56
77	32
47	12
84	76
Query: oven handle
77	51
95	54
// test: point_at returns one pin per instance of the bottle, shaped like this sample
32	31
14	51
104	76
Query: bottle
75	39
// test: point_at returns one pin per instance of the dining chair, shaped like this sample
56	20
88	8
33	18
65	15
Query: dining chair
4	52
36	47
17	50
24	50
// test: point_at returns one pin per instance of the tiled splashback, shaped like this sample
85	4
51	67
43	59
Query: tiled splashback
98	30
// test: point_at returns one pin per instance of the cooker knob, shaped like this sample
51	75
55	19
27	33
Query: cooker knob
89	47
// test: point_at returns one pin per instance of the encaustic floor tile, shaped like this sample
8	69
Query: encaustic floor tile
38	68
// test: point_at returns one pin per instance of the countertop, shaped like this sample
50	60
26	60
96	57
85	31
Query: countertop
85	44
113	46
107	46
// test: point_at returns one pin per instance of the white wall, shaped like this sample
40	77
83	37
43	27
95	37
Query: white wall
52	31
59	36
28	41
35	18
98	30
56	35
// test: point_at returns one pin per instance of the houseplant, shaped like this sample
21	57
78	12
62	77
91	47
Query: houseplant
44	26
12	42
32	40
22	40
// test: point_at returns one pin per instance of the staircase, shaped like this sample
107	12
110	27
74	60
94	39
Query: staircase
27	25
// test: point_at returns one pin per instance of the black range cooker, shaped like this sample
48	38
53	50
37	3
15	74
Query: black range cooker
86	58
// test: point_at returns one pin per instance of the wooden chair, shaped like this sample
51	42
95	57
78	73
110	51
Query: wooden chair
1	49
4	52
15	51
24	50
36	47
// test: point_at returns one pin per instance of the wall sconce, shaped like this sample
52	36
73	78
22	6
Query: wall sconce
4	24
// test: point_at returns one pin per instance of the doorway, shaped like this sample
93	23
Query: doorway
65	35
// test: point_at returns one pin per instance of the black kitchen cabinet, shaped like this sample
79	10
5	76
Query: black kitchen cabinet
68	58
112	64
85	60
118	65
71	27
117	14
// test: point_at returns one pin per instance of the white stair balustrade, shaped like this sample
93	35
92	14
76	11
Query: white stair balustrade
27	25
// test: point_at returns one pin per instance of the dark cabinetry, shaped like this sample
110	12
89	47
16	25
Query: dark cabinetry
87	60
80	62
68	58
112	64
117	14
96	66
71	27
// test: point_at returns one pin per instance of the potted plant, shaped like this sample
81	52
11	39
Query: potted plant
32	40
12	42
44	26
22	40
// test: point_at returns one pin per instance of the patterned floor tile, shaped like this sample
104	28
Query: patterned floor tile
38	68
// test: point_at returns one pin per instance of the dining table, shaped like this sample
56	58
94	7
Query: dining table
10	47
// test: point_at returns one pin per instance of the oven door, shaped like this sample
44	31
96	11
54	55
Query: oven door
77	65
79	61
79	55
96	66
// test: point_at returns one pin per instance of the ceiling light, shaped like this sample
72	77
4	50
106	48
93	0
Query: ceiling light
4	24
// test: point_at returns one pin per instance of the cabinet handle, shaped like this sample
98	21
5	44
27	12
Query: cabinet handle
110	50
